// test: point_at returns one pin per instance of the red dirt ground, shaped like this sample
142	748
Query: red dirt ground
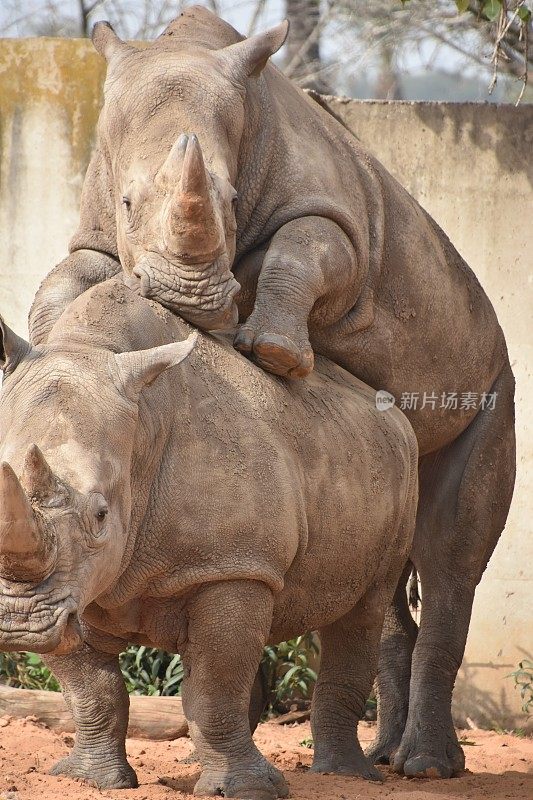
498	767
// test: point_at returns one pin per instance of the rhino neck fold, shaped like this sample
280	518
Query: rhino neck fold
262	136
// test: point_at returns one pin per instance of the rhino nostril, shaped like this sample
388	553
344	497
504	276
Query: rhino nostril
143	278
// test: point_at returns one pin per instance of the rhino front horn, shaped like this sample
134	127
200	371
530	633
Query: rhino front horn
194	175
37	477
173	164
195	229
26	553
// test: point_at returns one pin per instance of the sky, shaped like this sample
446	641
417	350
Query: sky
336	46
238	12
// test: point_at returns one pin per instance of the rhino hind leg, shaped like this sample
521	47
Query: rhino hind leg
465	493
349	655
394	675
96	695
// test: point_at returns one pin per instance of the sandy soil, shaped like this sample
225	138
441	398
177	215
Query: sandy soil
498	767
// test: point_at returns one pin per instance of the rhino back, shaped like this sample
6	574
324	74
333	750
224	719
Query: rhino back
256	473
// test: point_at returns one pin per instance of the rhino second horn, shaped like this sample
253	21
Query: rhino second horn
26	553
194	224
37	477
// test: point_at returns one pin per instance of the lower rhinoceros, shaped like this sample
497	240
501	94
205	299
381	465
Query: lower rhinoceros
207	514
212	169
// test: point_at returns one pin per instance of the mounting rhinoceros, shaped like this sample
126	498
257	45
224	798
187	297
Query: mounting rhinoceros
211	166
215	510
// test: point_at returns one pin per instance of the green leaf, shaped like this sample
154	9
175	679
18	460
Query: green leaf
173	682
524	13
291	672
492	8
462	5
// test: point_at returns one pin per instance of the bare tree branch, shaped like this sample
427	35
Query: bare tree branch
307	24
258	10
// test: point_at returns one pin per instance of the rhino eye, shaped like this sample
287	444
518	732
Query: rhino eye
126	202
98	507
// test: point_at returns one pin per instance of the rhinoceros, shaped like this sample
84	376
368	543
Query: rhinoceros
211	169
217	509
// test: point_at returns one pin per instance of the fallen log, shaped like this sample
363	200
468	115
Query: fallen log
291	717
157	718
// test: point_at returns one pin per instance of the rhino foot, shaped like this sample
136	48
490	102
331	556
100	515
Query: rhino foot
353	764
261	781
275	352
107	776
382	750
438	756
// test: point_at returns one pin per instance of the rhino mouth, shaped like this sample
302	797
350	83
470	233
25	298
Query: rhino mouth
39	624
205	297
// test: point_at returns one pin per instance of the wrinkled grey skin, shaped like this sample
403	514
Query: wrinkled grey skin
208	513
332	255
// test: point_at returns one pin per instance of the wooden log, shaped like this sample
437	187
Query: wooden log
158	718
291	717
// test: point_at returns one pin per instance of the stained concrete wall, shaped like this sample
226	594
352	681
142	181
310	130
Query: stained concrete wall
49	104
470	166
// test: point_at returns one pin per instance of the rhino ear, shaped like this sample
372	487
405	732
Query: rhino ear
250	56
140	368
12	348
106	41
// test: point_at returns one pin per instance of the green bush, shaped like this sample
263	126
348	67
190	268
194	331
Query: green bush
289	674
145	670
149	671
523	679
26	671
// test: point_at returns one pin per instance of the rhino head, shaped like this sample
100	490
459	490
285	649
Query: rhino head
171	128
68	417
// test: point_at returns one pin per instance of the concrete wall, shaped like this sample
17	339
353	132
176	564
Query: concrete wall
49	105
469	165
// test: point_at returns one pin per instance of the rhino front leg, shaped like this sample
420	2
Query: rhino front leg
310	265
96	696
70	278
350	648
229	623
394	674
